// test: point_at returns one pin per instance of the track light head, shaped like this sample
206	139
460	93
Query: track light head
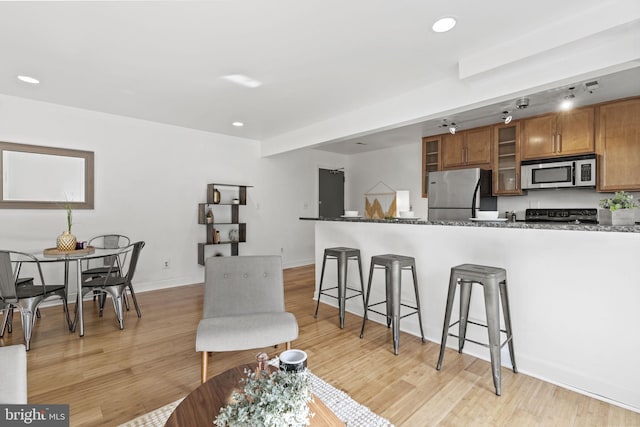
522	103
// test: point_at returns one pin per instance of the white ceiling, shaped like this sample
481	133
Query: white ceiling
162	61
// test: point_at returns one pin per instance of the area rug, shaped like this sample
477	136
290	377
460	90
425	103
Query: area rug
346	409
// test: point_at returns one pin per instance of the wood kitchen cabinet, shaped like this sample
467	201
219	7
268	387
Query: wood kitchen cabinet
467	148
506	159
618	145
559	134
430	159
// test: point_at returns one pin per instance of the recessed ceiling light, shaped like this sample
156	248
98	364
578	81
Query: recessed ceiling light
238	124
242	80
28	79
443	25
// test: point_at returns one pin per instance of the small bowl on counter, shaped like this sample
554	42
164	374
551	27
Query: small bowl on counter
487	215
407	214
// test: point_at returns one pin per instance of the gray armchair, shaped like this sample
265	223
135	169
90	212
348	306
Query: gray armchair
13	375
243	306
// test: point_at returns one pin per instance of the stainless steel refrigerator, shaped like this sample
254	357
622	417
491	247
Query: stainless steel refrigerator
458	194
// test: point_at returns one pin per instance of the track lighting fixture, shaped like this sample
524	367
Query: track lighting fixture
506	117
522	103
452	129
567	101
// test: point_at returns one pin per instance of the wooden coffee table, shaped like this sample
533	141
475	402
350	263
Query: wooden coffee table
203	404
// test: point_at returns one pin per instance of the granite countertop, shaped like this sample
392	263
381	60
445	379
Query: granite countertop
491	224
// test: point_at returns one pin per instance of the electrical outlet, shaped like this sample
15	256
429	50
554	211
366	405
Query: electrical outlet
166	264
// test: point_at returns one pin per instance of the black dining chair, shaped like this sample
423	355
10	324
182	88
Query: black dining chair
24	294
116	285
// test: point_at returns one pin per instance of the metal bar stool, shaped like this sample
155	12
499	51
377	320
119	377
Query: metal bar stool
494	283
393	265
343	256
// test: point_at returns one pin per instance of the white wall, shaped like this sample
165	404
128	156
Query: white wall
149	179
559	198
399	168
287	189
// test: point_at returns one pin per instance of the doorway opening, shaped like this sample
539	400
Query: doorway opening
330	193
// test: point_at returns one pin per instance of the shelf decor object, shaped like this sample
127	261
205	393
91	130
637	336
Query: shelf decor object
66	241
380	202
223	203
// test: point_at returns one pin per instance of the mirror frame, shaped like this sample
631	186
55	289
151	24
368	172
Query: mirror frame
52	151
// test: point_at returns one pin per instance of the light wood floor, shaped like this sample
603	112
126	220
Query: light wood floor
111	376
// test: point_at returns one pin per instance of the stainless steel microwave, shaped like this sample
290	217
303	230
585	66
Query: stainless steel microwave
579	171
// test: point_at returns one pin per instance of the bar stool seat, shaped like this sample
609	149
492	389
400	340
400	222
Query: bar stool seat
494	283
393	265
342	255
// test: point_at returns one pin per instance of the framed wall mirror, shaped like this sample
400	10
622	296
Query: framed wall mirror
36	177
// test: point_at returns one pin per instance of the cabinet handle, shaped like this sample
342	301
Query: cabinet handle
559	143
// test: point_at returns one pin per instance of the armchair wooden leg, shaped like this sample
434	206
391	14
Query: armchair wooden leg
203	369
288	345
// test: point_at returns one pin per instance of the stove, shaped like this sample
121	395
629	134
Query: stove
577	216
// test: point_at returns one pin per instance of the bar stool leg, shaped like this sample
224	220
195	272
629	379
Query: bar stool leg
465	301
418	306
396	288
447	317
361	279
491	297
388	292
507	322
324	262
342	284
366	302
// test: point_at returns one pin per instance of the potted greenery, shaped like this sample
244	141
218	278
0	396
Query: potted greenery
273	399
618	210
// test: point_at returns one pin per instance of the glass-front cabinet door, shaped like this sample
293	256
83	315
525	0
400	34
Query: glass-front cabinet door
506	171
431	160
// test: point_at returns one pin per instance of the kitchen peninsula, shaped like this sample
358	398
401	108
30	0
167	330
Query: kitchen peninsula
574	291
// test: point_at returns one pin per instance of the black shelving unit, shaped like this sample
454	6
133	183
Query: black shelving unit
229	210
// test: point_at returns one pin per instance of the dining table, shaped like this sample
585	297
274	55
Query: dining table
75	256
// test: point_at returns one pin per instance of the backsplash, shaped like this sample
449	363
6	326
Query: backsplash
555	198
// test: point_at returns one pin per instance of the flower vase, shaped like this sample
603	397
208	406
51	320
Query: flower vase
66	242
